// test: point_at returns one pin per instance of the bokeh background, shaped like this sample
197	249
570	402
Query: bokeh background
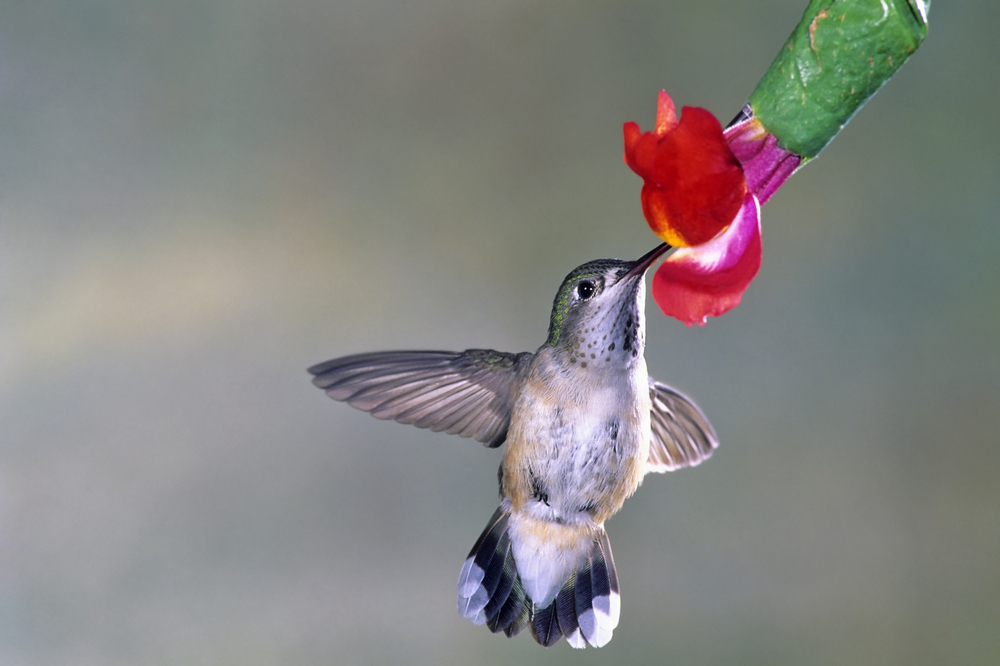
201	198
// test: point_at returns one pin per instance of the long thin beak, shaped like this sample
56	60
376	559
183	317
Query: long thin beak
642	264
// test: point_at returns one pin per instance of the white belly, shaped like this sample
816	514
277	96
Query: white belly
578	456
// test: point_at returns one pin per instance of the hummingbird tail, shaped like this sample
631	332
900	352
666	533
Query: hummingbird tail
490	592
587	607
489	589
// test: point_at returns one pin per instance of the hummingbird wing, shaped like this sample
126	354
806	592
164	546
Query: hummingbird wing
468	393
682	436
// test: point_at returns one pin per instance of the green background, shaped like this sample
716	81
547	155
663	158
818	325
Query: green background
199	199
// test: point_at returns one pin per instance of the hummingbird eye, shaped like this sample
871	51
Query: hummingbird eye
585	289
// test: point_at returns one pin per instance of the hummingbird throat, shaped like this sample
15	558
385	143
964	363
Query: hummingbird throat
610	334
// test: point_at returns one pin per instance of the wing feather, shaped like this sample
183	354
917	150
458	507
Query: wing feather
468	393
682	436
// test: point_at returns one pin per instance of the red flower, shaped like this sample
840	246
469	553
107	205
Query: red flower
694	185
695	196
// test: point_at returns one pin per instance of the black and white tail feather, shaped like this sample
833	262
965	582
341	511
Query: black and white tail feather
585	611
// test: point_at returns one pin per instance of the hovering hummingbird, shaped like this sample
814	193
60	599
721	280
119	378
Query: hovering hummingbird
583	423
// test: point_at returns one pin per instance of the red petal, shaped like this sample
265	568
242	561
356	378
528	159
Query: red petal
666	114
695	283
694	185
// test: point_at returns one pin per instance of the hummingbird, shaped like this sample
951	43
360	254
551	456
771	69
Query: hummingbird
583	423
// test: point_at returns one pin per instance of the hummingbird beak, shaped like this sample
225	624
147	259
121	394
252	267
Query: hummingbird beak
643	264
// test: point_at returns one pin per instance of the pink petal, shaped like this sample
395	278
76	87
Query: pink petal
766	164
708	280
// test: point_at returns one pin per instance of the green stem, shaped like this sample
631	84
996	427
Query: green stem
838	56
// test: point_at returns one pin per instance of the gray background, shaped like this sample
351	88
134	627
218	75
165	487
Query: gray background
199	199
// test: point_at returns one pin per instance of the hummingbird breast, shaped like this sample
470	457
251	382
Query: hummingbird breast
578	441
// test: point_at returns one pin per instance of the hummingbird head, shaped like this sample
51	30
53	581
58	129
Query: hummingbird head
598	313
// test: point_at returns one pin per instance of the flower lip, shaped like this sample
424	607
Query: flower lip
695	283
643	263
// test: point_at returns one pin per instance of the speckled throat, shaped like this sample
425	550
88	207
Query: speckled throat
610	334
605	329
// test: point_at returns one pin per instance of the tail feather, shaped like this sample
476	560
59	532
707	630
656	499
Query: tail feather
545	626
523	617
565	605
582	592
482	570
493	578
490	591
601	604
502	594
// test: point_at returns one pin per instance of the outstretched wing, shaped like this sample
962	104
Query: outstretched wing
468	393
682	436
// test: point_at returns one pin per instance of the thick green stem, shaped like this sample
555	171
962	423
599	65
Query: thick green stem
838	56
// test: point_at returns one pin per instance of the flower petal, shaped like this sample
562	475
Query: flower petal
693	185
666	114
695	283
766	164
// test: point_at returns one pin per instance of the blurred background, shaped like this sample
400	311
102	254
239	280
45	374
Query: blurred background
201	198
